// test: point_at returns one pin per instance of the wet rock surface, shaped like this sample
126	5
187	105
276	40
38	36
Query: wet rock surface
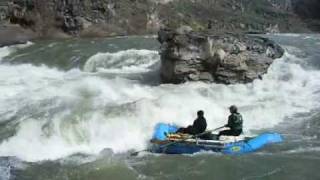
226	58
14	34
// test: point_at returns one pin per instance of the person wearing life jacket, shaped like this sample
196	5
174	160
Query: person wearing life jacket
235	122
199	125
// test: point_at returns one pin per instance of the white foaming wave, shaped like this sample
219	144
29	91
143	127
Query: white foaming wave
294	35
25	45
288	34
120	114
81	127
42	83
5	51
5	172
128	61
311	36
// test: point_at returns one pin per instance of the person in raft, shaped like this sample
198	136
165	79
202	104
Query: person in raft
199	125
235	122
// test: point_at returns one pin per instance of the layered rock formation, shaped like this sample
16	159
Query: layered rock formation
14	34
228	59
85	17
63	18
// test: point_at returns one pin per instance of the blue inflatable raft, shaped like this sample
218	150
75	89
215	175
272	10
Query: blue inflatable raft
162	144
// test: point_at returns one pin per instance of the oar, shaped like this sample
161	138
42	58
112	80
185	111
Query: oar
171	143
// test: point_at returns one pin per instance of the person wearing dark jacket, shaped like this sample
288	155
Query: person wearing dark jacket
199	125
235	122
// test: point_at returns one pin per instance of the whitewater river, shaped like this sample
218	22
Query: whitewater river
74	109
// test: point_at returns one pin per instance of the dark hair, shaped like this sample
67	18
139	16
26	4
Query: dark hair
233	109
200	113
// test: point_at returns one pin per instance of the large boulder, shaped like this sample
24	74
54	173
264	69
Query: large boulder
228	59
14	34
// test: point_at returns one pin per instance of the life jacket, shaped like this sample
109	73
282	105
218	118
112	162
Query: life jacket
235	121
199	126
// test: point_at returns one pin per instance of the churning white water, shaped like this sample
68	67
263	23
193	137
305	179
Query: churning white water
56	113
128	61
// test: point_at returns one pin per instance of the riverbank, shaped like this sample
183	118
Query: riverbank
14	34
65	19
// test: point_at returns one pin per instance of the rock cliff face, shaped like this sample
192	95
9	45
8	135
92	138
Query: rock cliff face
60	18
85	17
308	10
227	59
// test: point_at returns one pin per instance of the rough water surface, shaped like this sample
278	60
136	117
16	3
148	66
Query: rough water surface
74	109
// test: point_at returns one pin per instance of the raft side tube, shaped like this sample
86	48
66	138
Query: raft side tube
162	129
253	144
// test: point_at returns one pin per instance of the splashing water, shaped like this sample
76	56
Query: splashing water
55	113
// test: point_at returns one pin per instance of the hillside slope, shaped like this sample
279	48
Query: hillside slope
87	18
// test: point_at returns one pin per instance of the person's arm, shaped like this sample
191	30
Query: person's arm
229	121
195	122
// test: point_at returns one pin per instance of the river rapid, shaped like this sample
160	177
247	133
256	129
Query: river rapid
75	109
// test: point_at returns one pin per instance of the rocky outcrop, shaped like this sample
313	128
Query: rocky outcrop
52	18
308	10
3	10
85	17
103	18
227	59
14	34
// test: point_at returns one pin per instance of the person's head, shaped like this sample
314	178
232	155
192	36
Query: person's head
200	113
233	109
